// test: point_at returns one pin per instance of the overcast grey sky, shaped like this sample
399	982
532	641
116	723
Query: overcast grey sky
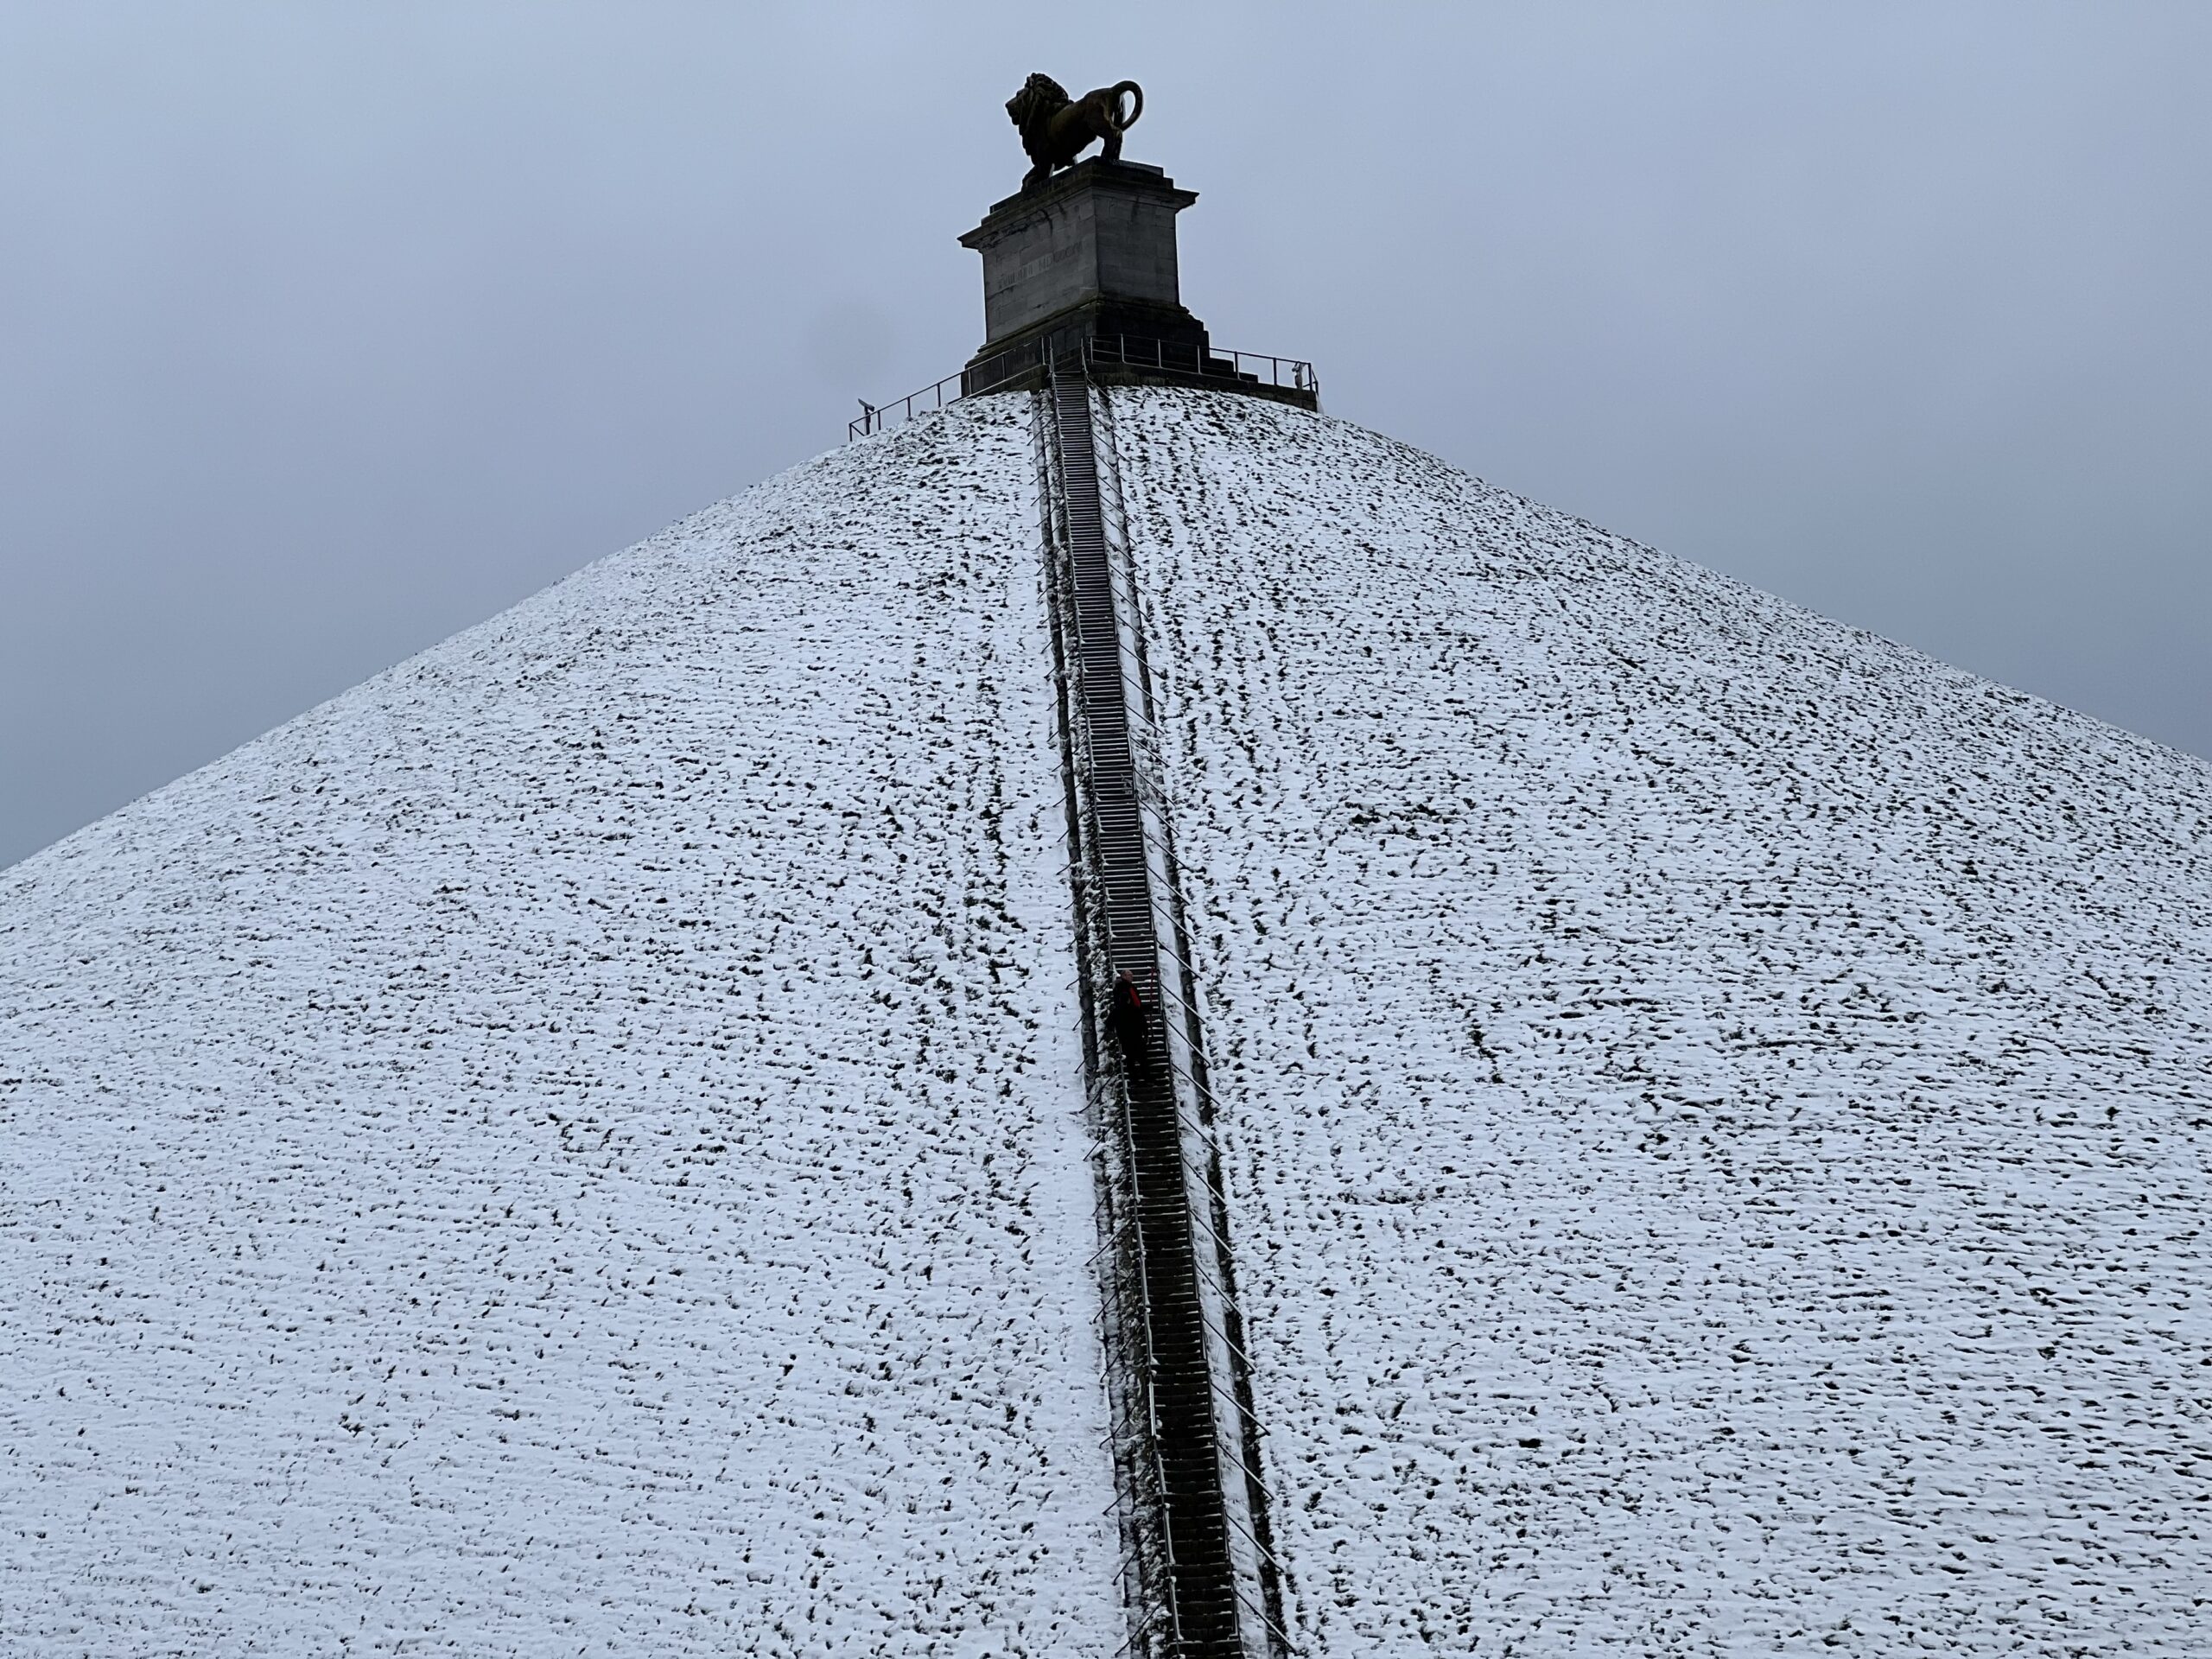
327	330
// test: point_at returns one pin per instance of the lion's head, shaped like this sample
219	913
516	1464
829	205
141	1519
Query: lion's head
1041	99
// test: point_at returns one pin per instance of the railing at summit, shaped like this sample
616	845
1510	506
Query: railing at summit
1106	350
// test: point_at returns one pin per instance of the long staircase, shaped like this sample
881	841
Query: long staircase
1201	1578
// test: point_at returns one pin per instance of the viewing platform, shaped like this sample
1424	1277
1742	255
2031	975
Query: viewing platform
1120	361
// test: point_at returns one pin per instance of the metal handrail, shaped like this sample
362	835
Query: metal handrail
881	417
1108	351
1219	363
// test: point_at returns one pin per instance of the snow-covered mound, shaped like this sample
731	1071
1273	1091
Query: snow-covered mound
574	1145
1716	1104
578	1145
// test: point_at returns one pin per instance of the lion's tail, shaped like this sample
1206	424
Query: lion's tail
1133	91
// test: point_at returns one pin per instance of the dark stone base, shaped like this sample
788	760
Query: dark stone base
1146	347
1064	333
1034	376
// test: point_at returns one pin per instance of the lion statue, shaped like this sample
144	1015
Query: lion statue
1054	127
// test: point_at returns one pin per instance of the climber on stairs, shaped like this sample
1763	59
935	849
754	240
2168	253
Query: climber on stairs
1125	1019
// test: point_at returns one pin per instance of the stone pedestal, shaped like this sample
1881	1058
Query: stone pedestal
1085	267
1089	255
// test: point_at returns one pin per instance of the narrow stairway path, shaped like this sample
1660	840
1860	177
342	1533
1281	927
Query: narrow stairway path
1201	1579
